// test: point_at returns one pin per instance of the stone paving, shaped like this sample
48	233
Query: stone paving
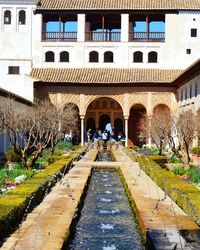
158	214
48	225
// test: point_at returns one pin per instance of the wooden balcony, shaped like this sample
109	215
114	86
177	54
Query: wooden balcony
59	36
147	36
107	36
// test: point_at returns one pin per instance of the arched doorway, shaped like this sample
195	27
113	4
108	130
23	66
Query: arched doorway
161	109
118	124
103	121
137	112
105	110
90	124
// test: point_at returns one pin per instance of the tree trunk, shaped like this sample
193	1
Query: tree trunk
34	158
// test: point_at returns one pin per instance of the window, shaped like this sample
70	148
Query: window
64	56
182	95
13	70
196	90
138	57
7	17
186	93
152	57
188	51
190	91
93	56
193	32
22	17
108	57
49	56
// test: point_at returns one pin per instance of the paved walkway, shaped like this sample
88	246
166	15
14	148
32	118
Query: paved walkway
159	216
48	225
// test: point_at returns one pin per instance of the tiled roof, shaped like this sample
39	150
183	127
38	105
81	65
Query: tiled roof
104	75
120	4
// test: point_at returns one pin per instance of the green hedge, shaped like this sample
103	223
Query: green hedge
30	193
183	193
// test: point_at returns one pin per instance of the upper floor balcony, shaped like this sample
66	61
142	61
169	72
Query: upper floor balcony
104	28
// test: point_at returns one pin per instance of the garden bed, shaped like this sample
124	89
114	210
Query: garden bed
16	203
183	193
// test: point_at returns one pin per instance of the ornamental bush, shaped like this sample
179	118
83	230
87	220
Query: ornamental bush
183	193
11	155
15	202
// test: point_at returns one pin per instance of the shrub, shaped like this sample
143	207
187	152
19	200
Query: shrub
175	159
63	145
194	174
179	171
183	193
15	202
11	155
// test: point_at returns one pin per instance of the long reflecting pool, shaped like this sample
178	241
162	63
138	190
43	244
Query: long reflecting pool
106	221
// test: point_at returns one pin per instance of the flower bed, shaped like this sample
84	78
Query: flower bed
14	204
183	193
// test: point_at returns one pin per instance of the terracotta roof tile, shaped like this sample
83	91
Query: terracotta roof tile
104	75
120	4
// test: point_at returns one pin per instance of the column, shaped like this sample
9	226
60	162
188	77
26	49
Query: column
126	130
81	28
149	131
82	130
124	27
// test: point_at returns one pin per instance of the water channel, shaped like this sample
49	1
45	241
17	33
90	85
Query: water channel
106	221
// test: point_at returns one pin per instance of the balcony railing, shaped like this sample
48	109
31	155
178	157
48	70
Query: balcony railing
59	36
147	36
107	36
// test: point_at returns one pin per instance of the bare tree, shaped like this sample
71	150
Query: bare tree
157	127
34	129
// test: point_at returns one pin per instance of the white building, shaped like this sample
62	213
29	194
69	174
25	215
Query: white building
148	44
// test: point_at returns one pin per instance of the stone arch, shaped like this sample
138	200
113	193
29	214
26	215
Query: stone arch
161	107
137	111
104	112
75	108
93	98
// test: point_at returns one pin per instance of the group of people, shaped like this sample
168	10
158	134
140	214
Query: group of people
107	134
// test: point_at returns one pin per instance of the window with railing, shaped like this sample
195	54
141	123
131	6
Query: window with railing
59	29
147	28
103	28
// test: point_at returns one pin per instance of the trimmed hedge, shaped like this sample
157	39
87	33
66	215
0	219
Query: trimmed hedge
14	204
183	193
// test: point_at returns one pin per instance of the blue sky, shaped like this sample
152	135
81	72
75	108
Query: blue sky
140	26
